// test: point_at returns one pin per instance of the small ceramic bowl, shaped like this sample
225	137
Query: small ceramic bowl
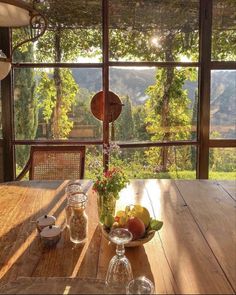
44	221
50	235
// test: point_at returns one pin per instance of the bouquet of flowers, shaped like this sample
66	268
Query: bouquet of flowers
108	185
112	181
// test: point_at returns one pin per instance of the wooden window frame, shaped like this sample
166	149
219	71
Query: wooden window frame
204	65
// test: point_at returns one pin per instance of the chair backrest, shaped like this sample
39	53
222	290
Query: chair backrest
57	162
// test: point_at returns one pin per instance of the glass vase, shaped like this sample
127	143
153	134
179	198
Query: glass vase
106	206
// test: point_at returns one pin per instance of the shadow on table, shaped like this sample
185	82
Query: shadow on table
138	257
22	253
100	251
55	285
37	184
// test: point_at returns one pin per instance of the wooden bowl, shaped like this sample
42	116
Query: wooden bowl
134	243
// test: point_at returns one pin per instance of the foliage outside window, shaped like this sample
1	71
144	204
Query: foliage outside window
160	103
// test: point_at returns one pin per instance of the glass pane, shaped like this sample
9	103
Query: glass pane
157	162
222	163
224	30
93	162
22	153
160	104
55	103
74	33
154	30
223	104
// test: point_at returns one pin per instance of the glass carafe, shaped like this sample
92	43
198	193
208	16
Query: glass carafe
78	221
73	188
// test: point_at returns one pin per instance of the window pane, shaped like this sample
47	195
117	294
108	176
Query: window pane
223	104
55	103
222	163
74	33
154	30
160	104
22	153
224	30
93	162
157	162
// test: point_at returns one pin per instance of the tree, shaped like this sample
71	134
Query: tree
26	105
55	109
167	107
140	126
63	41
168	113
132	27
124	127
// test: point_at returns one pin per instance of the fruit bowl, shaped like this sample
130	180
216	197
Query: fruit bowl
135	243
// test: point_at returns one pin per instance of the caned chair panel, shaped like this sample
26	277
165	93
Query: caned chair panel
55	163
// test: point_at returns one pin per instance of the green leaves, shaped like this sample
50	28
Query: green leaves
156	224
57	100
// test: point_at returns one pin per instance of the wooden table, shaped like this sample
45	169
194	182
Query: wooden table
194	252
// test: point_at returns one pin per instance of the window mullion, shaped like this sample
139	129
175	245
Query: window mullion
204	88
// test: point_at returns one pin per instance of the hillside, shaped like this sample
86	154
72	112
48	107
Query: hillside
135	82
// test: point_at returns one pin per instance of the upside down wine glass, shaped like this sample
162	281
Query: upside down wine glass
119	272
140	285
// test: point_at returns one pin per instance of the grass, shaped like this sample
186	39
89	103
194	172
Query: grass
188	175
222	175
185	174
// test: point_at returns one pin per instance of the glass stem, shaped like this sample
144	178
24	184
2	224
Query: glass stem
120	250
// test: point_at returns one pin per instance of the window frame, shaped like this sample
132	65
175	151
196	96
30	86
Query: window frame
204	65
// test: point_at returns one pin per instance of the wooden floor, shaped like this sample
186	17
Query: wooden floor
194	252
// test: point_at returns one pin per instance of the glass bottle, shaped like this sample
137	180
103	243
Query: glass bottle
73	188
78	221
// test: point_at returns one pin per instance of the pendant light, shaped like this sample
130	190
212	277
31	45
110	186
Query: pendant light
15	14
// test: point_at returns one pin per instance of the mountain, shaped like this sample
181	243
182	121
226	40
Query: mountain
129	81
134	82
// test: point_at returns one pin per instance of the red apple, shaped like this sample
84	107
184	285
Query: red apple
136	226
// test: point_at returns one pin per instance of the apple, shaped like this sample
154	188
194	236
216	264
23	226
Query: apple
136	226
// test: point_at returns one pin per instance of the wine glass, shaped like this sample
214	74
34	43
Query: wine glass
119	272
140	285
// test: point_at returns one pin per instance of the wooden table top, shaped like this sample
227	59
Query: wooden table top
194	252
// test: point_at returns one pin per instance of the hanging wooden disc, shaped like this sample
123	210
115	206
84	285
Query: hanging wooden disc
114	106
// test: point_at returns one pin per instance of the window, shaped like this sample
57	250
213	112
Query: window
223	104
223	30
149	54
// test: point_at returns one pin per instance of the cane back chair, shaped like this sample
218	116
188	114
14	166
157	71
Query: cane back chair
55	163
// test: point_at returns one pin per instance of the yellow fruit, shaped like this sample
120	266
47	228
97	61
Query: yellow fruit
120	213
122	217
142	213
